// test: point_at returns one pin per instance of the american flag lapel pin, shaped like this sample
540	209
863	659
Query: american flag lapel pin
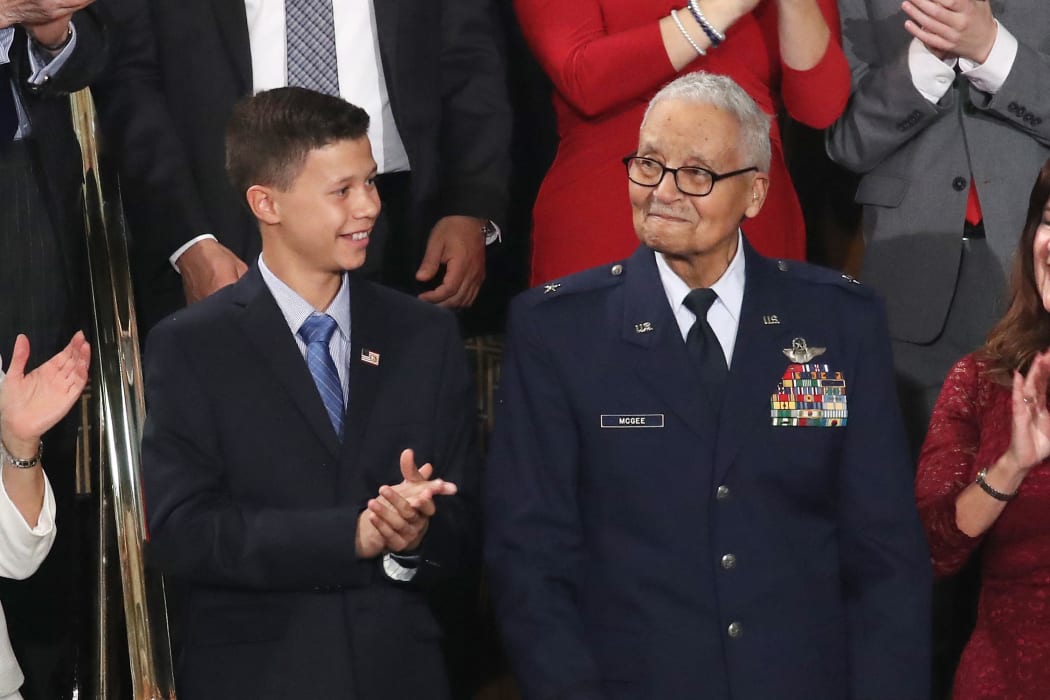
370	357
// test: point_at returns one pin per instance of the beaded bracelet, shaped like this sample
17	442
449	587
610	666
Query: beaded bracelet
681	28
716	37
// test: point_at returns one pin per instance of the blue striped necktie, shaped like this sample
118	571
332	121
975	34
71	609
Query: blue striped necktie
316	332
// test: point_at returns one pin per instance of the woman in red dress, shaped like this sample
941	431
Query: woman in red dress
984	480
607	58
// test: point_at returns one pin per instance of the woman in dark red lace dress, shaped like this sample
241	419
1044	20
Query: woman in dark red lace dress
984	480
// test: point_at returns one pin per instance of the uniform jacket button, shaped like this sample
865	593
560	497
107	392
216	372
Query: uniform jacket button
959	184
728	561
722	492
735	629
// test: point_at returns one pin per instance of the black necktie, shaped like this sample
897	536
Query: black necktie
8	113
702	343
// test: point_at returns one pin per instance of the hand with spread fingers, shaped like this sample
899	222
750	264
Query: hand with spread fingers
397	519
1030	435
961	28
31	404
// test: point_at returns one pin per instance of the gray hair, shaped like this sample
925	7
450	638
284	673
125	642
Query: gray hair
721	92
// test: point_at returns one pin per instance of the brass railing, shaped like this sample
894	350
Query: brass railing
118	408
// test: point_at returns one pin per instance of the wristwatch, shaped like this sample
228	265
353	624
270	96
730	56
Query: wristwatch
490	231
8	458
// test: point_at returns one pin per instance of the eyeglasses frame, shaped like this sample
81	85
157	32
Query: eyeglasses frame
715	177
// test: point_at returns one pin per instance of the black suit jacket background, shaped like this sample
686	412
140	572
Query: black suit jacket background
447	89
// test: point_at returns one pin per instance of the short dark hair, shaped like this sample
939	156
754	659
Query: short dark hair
271	133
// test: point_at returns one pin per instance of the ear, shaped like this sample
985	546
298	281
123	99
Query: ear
263	203
759	190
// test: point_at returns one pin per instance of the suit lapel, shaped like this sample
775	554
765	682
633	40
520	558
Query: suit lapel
368	339
233	25
268	332
661	359
757	361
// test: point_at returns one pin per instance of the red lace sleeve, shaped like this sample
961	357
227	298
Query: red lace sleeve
946	466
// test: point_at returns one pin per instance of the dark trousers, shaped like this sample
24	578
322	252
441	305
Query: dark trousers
41	295
978	303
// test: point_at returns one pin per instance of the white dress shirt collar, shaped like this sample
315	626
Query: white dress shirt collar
295	309
724	314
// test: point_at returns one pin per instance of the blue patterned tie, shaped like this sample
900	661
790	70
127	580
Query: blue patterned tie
316	332
310	40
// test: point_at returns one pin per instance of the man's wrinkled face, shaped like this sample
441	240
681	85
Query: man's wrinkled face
679	133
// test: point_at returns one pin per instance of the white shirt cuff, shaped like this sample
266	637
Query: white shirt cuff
393	567
186	246
989	76
931	76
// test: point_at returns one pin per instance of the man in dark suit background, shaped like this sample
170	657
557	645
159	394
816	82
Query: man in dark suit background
432	80
47	50
699	484
280	471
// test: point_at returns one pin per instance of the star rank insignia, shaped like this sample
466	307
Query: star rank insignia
550	288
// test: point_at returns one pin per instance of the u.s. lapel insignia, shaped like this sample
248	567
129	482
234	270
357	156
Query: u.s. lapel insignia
370	357
643	327
800	351
770	320
551	288
810	395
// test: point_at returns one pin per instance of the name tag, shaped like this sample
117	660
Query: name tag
641	420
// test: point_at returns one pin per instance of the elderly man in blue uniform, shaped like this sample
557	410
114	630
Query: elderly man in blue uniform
699	485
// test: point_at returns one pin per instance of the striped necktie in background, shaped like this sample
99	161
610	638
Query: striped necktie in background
310	39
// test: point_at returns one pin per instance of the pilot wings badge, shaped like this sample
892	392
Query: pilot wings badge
800	351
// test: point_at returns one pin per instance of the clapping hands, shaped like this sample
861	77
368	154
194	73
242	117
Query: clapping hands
959	28
397	519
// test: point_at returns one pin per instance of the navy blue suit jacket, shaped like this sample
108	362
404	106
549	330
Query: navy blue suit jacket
708	554
253	503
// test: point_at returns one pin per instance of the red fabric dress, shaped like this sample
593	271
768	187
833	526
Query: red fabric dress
1008	655
606	60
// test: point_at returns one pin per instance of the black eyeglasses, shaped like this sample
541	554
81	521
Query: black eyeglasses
693	181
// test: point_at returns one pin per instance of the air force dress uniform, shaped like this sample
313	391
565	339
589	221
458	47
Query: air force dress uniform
645	543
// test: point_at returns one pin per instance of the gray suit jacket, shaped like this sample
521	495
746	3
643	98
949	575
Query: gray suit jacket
917	158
